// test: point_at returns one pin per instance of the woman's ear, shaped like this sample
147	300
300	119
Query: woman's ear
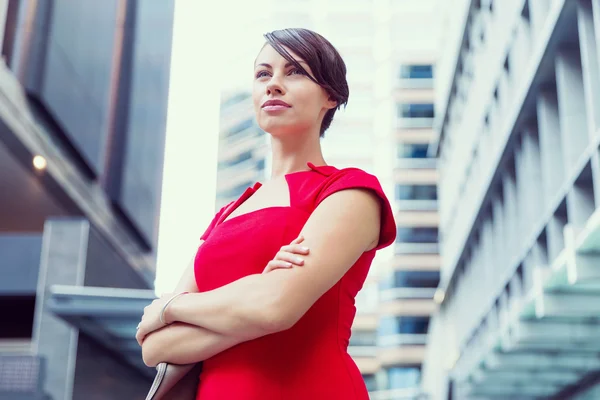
331	103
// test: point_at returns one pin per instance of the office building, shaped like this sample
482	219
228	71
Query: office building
518	115
243	147
82	127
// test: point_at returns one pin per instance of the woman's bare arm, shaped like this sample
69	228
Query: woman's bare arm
182	343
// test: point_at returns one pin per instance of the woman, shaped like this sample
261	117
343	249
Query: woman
278	270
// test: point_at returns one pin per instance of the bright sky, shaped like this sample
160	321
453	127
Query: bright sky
212	50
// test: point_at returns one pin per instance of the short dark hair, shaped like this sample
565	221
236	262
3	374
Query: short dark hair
326	63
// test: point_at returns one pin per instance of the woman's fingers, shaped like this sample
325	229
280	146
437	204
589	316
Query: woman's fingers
277	264
283	255
295	248
288	256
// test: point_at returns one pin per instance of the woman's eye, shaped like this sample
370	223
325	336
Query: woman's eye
296	71
260	74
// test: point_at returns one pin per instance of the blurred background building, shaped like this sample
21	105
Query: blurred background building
82	128
518	115
242	153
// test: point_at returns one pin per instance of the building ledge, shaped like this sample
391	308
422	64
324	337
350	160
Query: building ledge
107	315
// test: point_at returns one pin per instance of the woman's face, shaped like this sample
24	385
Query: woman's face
285	100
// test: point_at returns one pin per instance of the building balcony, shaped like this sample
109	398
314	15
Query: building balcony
403	123
416	163
417	262
413	307
424	83
362	351
402	339
401	293
407	176
365	322
415	135
367	365
417	205
405	355
416	248
416	220
414	94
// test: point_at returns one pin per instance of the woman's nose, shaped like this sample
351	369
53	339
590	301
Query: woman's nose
274	86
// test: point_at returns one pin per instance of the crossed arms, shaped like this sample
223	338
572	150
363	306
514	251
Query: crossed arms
338	232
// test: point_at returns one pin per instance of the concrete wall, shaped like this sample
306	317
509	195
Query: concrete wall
19	263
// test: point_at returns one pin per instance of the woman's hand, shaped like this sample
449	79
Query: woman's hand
151	318
288	256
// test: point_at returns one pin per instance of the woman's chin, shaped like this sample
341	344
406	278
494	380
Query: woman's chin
277	130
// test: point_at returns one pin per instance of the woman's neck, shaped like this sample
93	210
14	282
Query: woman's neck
292	156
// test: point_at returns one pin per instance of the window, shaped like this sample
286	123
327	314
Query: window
402	325
410	279
416	192
403	377
416	72
417	235
412	150
359	338
370	382
418	279
415	110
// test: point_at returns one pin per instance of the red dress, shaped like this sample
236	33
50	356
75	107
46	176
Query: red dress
310	360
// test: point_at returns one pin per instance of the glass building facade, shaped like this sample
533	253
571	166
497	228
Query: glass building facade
82	129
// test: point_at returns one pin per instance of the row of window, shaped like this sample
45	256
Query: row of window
411	279
416	192
415	110
411	234
412	150
393	325
416	71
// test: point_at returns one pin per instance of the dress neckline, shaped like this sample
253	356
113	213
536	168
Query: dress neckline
325	170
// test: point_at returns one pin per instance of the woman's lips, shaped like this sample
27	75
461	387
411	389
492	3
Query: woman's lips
275	108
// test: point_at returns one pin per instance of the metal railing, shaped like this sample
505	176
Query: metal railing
417	205
416	163
402	339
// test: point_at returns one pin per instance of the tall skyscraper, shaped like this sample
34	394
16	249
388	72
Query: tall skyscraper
82	127
518	114
242	148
